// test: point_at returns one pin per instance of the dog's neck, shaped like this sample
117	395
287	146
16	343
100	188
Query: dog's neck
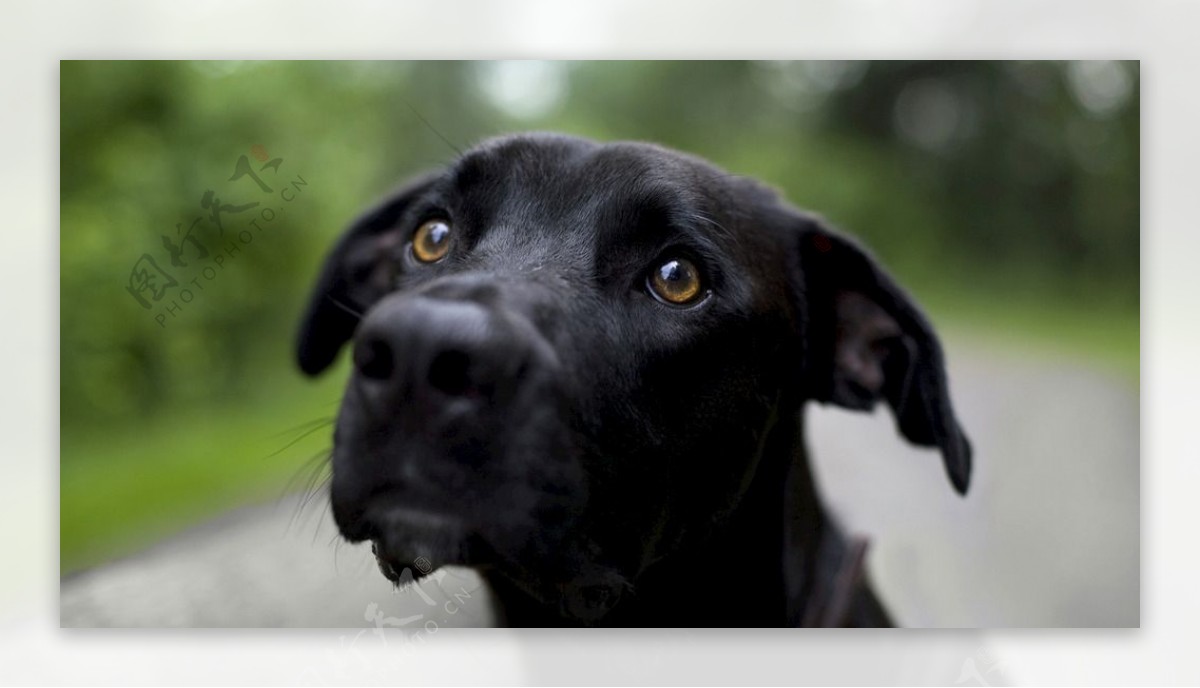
772	563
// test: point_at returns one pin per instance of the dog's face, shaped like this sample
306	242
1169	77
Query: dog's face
567	357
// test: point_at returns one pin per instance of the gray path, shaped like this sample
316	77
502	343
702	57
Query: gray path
272	566
1049	533
1047	537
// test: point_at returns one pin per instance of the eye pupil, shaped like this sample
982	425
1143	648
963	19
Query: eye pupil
431	241
676	281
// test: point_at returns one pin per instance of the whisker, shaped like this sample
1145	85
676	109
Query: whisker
324	423
301	426
324	511
432	128
344	307
315	466
299	514
701	217
311	464
314	490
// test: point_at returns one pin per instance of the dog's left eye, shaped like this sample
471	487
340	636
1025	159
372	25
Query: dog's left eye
431	241
676	281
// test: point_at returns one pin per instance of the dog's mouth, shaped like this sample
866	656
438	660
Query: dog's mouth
410	542
398	570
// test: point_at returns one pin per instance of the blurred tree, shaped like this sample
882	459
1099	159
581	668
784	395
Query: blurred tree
1031	180
1012	176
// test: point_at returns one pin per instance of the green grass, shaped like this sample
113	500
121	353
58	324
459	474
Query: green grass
124	488
1099	334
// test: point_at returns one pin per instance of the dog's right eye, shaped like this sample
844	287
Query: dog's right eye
676	282
431	241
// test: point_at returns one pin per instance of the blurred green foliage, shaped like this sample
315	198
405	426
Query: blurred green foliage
1005	195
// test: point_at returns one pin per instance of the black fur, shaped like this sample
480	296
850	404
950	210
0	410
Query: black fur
525	406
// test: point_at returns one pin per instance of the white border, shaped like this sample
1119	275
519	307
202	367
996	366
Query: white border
35	36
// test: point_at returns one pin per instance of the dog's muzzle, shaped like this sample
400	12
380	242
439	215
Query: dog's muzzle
446	383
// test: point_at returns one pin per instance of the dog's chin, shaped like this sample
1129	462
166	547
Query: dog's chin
409	544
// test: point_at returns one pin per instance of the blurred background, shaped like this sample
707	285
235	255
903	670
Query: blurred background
1003	195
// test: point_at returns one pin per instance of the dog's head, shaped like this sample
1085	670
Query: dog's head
567	357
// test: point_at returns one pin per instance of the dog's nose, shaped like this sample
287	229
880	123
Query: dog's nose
418	347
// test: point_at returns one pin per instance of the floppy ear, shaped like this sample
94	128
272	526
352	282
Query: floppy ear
357	273
867	341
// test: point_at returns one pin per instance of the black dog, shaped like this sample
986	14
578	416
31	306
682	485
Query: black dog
581	369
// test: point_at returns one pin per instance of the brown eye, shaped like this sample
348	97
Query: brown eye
676	281
431	241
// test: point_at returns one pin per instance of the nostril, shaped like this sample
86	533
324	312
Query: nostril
449	373
374	359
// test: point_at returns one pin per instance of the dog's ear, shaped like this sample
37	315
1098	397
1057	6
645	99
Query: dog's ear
357	273
866	340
